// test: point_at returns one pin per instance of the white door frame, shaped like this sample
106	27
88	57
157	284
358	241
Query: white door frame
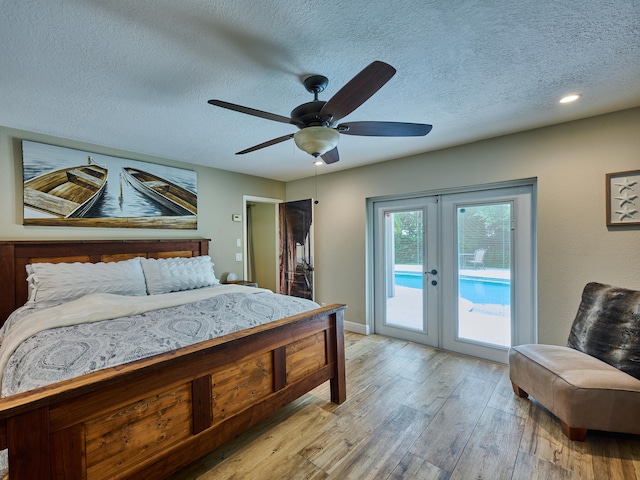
520	336
428	205
275	201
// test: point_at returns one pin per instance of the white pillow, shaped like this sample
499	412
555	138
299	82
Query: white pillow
164	275
51	283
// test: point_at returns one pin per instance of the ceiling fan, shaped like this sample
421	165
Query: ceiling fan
319	134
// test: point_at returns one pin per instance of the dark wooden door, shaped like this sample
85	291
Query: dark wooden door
296	248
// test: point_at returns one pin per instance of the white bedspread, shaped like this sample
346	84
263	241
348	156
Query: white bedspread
97	307
102	330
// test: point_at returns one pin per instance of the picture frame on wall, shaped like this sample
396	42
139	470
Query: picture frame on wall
623	198
75	188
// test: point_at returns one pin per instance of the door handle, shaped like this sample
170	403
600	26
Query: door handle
432	272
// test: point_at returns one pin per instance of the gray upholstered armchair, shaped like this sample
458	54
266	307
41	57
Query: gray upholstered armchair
594	382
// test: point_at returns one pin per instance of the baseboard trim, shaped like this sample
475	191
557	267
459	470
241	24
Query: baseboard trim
357	328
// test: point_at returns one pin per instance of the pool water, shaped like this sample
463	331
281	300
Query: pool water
476	290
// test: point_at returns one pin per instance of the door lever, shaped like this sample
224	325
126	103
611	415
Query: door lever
432	272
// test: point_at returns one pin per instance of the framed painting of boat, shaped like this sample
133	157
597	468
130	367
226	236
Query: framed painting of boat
68	187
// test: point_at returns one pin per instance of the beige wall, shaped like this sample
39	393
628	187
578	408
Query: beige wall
574	245
219	196
569	161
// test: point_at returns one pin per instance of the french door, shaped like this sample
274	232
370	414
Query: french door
490	298
456	270
405	247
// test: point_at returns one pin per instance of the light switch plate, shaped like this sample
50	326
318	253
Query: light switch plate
238	257
236	217
238	242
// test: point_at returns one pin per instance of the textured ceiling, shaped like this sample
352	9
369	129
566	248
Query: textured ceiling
136	75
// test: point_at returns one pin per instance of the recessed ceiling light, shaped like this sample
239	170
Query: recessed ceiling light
570	98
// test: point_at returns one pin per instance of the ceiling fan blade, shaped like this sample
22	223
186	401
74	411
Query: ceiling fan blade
385	129
358	90
331	156
252	111
266	144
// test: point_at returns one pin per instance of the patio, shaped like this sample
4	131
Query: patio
479	322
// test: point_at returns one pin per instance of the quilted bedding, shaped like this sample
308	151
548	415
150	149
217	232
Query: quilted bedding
43	346
40	346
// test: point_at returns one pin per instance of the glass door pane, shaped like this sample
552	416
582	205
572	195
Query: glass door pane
404	255
484	273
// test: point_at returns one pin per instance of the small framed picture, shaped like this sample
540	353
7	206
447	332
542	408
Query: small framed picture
623	198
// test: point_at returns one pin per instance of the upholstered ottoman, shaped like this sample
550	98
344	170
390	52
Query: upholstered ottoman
582	391
598	390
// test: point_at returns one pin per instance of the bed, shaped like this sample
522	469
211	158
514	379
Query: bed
152	416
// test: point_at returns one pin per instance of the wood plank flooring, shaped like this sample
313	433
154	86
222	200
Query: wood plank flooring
415	412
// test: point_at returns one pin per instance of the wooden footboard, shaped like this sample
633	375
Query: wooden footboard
151	417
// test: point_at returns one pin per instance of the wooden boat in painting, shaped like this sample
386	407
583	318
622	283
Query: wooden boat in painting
66	193
174	197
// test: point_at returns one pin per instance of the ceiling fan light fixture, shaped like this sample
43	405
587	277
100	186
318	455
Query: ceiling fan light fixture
316	141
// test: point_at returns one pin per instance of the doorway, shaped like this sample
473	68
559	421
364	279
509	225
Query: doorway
278	245
260	241
456	270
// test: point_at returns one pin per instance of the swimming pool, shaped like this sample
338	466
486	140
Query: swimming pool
476	290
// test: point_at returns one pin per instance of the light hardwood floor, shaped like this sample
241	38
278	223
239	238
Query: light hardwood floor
414	412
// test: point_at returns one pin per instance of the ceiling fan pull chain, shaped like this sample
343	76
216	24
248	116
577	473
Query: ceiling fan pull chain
316	200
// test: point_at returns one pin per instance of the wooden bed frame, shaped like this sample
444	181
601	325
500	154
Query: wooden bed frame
151	417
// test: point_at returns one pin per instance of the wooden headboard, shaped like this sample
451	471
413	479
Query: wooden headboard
15	255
